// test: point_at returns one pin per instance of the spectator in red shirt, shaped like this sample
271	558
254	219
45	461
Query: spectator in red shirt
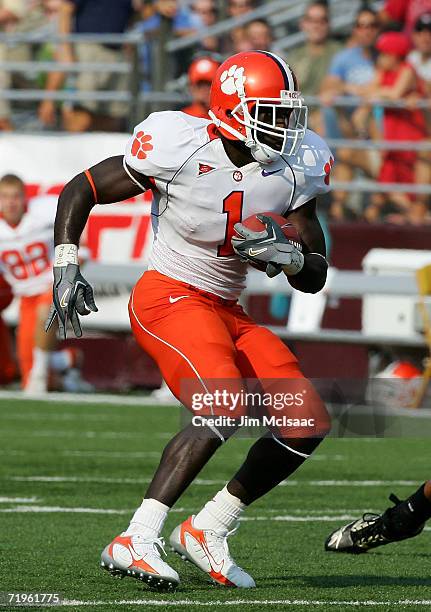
201	73
404	12
396	80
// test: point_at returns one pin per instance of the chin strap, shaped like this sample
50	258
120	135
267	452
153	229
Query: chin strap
260	153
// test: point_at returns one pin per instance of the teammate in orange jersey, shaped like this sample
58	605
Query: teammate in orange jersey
254	153
7	362
26	251
201	73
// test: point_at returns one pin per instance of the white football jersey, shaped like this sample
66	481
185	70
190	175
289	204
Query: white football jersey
27	250
199	195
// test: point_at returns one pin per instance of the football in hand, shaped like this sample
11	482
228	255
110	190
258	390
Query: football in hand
289	230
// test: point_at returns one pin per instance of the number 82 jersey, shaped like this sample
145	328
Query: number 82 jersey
27	249
199	195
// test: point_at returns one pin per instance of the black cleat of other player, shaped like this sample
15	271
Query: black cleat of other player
373	530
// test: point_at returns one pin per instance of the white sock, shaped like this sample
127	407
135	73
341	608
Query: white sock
40	363
148	519
221	513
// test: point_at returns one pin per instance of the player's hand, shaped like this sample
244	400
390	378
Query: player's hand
269	246
72	296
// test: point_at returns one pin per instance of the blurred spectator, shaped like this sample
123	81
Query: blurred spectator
201	73
236	8
51	8
420	56
311	60
167	19
31	21
11	11
396	80
420	59
403	13
89	17
206	12
257	34
350	71
48	52
353	67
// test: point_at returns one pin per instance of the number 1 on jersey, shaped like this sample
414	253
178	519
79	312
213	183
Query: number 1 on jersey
232	207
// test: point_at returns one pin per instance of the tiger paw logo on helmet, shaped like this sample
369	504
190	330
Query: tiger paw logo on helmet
141	145
232	80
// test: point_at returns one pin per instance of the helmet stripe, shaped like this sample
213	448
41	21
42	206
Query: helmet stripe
288	75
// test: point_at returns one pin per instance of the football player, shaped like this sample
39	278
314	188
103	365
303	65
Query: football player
253	153
26	253
201	72
404	520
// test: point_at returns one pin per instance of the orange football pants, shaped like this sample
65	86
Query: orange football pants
198	337
28	317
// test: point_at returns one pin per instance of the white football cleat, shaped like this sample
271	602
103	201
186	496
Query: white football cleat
209	551
140	558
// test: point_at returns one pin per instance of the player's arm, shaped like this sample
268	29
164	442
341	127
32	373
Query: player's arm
107	182
312	277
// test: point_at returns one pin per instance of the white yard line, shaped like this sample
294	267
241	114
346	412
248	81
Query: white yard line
59	433
213	482
362	483
86	398
112	454
60	509
291	518
146	400
19	500
96	479
64	510
250	602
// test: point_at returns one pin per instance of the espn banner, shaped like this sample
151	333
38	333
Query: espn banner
115	233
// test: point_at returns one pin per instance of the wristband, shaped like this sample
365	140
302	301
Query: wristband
295	266
65	254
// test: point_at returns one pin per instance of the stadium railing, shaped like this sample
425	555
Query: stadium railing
142	102
277	13
343	284
115	281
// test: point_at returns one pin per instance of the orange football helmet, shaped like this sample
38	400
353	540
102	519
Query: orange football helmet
202	69
255	99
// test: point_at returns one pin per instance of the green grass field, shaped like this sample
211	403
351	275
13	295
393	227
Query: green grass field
71	475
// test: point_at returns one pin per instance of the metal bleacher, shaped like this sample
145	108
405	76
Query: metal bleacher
343	284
